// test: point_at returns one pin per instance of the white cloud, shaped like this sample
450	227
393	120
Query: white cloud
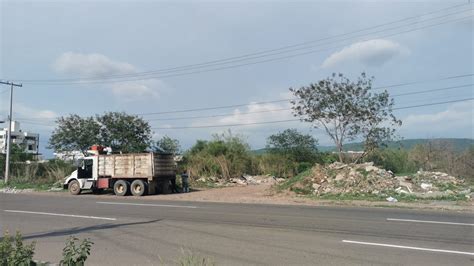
371	53
90	65
98	65
259	113
457	121
31	117
135	90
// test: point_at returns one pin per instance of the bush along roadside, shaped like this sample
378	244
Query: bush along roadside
14	252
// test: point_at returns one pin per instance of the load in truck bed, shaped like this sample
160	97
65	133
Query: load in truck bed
137	165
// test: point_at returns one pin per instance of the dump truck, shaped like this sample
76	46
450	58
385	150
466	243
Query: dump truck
134	173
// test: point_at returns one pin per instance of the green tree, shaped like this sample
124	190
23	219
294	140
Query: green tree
75	133
167	144
347	111
298	146
124	132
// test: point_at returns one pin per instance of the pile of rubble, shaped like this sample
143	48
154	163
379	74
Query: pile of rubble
431	184
339	178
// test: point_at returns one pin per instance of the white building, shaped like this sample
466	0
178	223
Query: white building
28	140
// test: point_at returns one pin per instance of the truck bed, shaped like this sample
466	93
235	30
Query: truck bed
136	165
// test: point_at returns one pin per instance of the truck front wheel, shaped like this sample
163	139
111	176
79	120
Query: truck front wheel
138	188
74	187
121	188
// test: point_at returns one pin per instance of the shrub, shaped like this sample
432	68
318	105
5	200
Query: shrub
189	258
395	160
225	156
278	165
14	252
76	255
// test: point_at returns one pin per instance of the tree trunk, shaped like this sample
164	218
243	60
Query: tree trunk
339	148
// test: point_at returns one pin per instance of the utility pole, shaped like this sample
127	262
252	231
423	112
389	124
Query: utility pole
9	132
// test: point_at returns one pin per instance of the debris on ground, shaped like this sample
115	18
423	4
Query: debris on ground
391	199
14	190
255	180
244	180
366	178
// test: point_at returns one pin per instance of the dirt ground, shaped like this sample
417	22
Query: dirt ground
264	194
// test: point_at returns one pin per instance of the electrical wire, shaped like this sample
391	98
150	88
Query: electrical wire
85	81
293	120
286	100
275	49
273	122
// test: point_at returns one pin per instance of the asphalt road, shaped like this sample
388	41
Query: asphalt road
130	231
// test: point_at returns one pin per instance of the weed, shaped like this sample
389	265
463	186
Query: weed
189	258
76	255
15	252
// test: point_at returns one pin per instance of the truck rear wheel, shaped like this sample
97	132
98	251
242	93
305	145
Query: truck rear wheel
121	187
74	187
138	188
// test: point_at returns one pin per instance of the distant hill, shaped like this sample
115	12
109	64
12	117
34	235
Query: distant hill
458	144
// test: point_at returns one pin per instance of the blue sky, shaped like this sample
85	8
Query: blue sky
64	39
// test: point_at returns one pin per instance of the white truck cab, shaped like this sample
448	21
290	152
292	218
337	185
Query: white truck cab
84	176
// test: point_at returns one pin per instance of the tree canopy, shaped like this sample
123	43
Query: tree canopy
120	131
167	144
347	110
298	146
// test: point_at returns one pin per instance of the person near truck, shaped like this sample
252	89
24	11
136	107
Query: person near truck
184	181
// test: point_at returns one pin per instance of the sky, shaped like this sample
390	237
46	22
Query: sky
79	40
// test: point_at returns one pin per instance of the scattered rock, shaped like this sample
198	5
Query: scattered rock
391	199
426	186
14	190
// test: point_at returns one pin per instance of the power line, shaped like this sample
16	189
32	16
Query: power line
289	99
103	79
433	90
269	50
294	120
273	122
430	104
288	109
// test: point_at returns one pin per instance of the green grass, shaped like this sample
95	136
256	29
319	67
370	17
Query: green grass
363	172
292	181
405	174
190	258
446	186
41	186
383	196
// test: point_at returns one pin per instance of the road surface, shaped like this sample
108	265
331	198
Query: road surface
131	231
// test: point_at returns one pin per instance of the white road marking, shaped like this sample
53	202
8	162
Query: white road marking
63	215
145	204
425	221
408	247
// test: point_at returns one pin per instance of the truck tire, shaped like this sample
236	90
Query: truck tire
138	188
121	187
74	187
